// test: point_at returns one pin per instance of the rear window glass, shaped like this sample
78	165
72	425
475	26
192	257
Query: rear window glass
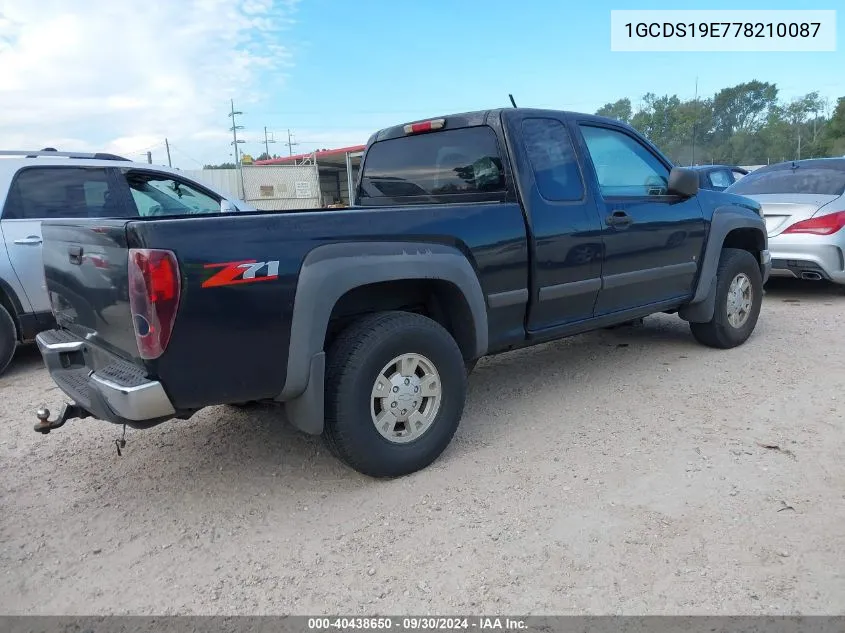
822	181
462	161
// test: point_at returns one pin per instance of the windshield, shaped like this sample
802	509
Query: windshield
820	181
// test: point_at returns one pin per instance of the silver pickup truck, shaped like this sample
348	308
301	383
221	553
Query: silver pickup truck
46	184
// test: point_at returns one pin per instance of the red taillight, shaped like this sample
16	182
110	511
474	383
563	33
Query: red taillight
424	126
154	289
822	225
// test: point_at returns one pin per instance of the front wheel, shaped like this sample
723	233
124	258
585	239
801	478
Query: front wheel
395	391
739	296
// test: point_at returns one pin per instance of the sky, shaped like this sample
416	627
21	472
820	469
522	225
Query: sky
121	76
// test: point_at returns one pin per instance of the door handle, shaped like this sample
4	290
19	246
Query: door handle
75	255
31	240
618	218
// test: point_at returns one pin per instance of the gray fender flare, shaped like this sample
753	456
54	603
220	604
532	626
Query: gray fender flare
327	273
725	219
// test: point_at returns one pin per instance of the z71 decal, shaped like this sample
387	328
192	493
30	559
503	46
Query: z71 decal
243	272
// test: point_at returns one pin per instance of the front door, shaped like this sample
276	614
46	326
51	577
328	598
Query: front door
652	240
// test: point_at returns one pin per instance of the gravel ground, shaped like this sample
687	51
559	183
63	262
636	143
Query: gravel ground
624	471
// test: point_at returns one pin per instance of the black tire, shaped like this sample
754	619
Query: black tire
718	332
354	361
8	338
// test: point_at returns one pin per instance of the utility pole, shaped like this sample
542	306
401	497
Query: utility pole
234	129
150	158
290	144
235	140
267	141
167	145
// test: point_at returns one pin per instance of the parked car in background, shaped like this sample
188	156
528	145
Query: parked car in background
718	177
36	186
804	206
472	234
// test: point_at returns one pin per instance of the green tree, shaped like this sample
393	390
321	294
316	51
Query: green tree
833	136
743	107
619	110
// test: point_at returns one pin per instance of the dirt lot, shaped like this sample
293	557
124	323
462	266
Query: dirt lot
626	471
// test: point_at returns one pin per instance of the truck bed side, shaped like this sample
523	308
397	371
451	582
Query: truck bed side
239	337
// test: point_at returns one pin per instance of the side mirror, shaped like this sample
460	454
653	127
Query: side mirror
683	182
226	206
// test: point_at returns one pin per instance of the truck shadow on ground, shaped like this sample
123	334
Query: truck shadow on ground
228	448
231	451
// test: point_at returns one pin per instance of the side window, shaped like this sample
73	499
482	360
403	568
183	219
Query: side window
552	158
624	167
720	179
161	194
42	193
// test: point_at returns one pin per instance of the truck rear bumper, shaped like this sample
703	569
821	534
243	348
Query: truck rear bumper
110	388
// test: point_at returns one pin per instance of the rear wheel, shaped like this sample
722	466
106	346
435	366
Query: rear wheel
395	391
8	338
739	296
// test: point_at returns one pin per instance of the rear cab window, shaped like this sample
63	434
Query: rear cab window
442	166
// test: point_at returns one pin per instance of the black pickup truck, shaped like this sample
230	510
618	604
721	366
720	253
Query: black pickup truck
471	235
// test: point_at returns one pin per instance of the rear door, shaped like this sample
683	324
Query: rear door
565	225
652	240
52	192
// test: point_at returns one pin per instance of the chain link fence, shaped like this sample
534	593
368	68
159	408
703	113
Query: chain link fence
267	187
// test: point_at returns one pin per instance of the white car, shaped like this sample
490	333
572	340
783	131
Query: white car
56	185
803	202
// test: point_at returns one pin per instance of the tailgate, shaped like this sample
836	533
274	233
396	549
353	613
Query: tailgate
86	271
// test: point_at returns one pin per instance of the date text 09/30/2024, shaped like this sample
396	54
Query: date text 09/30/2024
424	623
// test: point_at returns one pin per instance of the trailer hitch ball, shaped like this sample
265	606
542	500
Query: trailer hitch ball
69	411
43	414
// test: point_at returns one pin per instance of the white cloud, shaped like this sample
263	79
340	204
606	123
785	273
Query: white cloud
120	76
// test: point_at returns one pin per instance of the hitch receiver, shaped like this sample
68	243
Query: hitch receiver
68	412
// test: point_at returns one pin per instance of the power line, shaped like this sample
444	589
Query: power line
191	158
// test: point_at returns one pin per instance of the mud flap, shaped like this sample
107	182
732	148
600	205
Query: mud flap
307	411
702	311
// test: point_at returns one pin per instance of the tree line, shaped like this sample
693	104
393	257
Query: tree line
747	124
